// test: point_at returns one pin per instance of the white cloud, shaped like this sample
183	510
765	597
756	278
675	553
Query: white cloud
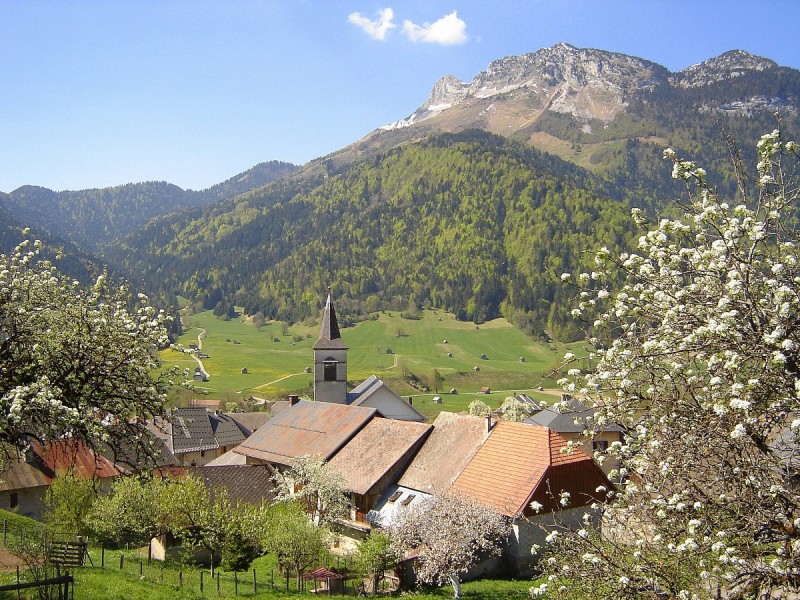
377	28
447	31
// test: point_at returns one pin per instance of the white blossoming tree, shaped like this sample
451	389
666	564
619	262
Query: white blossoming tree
702	367
74	361
451	534
316	487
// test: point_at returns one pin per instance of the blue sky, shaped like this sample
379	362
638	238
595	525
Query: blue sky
106	92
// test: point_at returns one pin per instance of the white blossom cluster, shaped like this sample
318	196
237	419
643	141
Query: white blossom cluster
701	366
451	533
74	361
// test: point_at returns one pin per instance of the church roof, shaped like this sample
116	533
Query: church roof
329	336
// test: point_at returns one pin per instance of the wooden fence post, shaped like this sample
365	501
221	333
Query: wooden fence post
255	584
121	561
102	555
217	582
141	567
180	577
201	581
235	583
5	532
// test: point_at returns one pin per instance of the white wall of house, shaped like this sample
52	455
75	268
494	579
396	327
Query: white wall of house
391	405
520	551
198	459
28	502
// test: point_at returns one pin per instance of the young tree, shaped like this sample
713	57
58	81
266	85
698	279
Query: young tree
515	410
296	542
131	510
703	369
374	557
74	361
67	504
452	534
479	408
318	489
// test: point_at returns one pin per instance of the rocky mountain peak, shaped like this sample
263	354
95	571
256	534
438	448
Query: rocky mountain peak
733	63
449	90
588	83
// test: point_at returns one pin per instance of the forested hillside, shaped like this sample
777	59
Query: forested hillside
471	223
92	217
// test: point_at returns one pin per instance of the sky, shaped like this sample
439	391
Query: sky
96	93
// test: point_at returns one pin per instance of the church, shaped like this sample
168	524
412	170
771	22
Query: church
330	376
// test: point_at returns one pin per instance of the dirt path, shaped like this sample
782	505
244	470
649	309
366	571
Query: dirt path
8	561
199	362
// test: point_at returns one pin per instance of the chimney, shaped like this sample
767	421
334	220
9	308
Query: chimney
489	423
411	400
293	400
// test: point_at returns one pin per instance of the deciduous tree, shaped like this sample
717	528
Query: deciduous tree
702	367
74	361
318	489
452	533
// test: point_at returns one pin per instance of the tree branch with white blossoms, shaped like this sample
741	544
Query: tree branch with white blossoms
75	362
699	363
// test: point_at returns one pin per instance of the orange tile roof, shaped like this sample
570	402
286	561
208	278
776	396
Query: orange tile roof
518	461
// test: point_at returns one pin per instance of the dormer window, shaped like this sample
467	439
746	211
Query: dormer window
329	368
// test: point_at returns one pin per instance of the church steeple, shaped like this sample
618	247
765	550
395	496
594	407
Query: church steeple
330	359
330	327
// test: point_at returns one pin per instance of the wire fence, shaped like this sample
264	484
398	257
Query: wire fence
43	555
215	581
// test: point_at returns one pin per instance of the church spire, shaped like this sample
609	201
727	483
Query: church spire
329	335
330	327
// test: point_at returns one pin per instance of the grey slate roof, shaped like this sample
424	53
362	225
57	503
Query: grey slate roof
226	430
565	422
191	430
243	483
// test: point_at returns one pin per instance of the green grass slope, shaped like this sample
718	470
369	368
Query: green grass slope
394	348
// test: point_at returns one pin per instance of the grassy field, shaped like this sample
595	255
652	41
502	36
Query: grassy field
389	347
127	574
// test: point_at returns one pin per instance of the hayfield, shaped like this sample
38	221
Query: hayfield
394	348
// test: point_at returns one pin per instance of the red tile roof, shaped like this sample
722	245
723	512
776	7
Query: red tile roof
383	447
449	448
520	462
305	429
44	464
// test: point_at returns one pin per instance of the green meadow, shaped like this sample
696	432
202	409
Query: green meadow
396	349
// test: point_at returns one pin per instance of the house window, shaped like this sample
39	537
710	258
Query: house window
599	445
13	500
329	370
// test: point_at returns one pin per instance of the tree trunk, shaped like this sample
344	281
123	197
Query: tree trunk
455	581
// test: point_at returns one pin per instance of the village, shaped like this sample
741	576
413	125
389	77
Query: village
389	459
